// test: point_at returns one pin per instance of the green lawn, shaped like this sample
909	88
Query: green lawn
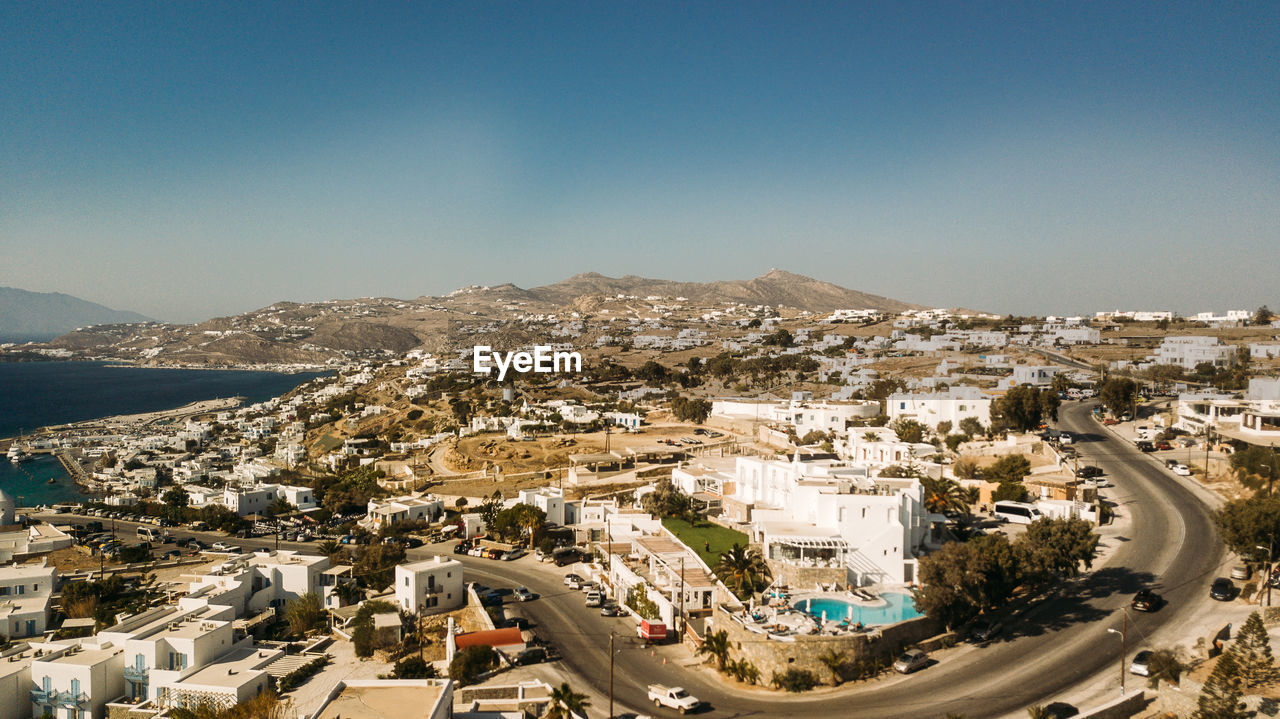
697	538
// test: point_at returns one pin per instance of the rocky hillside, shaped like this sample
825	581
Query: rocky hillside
318	332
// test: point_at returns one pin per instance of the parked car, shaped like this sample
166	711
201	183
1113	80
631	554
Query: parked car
1146	601
523	594
1222	589
1141	664
573	581
532	655
910	660
985	629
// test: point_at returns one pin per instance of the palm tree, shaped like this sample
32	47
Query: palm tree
330	549
943	495
833	661
566	703
716	645
743	570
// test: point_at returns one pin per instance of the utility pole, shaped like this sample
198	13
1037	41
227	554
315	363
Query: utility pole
682	621
610	675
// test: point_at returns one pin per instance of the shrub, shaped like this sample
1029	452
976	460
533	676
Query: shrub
470	663
795	680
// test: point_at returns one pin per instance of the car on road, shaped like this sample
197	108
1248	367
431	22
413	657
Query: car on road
523	594
1141	664
610	609
1182	470
984	630
1222	589
532	655
673	697
1146	601
573	581
910	661
1089	471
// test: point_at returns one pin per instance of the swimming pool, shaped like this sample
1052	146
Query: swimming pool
899	607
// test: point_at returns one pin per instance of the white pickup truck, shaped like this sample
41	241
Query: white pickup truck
673	697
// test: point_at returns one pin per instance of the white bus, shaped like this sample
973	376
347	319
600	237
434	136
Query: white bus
1016	512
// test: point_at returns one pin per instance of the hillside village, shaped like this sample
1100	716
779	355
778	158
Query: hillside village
714	473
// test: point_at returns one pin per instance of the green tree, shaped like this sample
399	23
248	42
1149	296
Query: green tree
1220	697
942	495
908	430
1024	408
716	646
1256	467
176	499
1056	548
743	570
972	427
1008	468
1117	394
1246	524
469	664
566	703
303	613
1009	492
413	668
1252	651
961	580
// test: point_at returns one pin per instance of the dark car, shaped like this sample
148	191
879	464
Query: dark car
984	630
533	655
1089	471
1147	601
1222	589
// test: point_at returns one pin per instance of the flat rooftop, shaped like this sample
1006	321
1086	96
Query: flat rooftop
387	701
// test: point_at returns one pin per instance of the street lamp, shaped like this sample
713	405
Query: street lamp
1124	644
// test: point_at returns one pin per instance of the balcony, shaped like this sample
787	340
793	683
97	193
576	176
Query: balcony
135	674
70	699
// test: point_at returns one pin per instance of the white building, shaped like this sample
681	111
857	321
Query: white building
1188	351
434	584
829	513
76	680
951	405
26	593
385	512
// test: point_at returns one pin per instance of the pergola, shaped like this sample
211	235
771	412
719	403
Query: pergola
800	550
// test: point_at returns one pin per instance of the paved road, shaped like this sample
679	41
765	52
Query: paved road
1063	642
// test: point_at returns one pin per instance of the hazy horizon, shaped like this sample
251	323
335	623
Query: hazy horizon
193	161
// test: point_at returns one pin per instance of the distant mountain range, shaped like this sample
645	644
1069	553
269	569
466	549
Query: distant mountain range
775	287
33	316
317	332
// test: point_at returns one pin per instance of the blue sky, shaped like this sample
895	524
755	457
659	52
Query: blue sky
188	160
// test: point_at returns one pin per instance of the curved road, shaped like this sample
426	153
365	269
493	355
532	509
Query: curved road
1062	642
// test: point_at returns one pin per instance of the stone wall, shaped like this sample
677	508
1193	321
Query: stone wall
772	655
807	578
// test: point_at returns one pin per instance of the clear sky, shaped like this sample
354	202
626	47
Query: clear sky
186	160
